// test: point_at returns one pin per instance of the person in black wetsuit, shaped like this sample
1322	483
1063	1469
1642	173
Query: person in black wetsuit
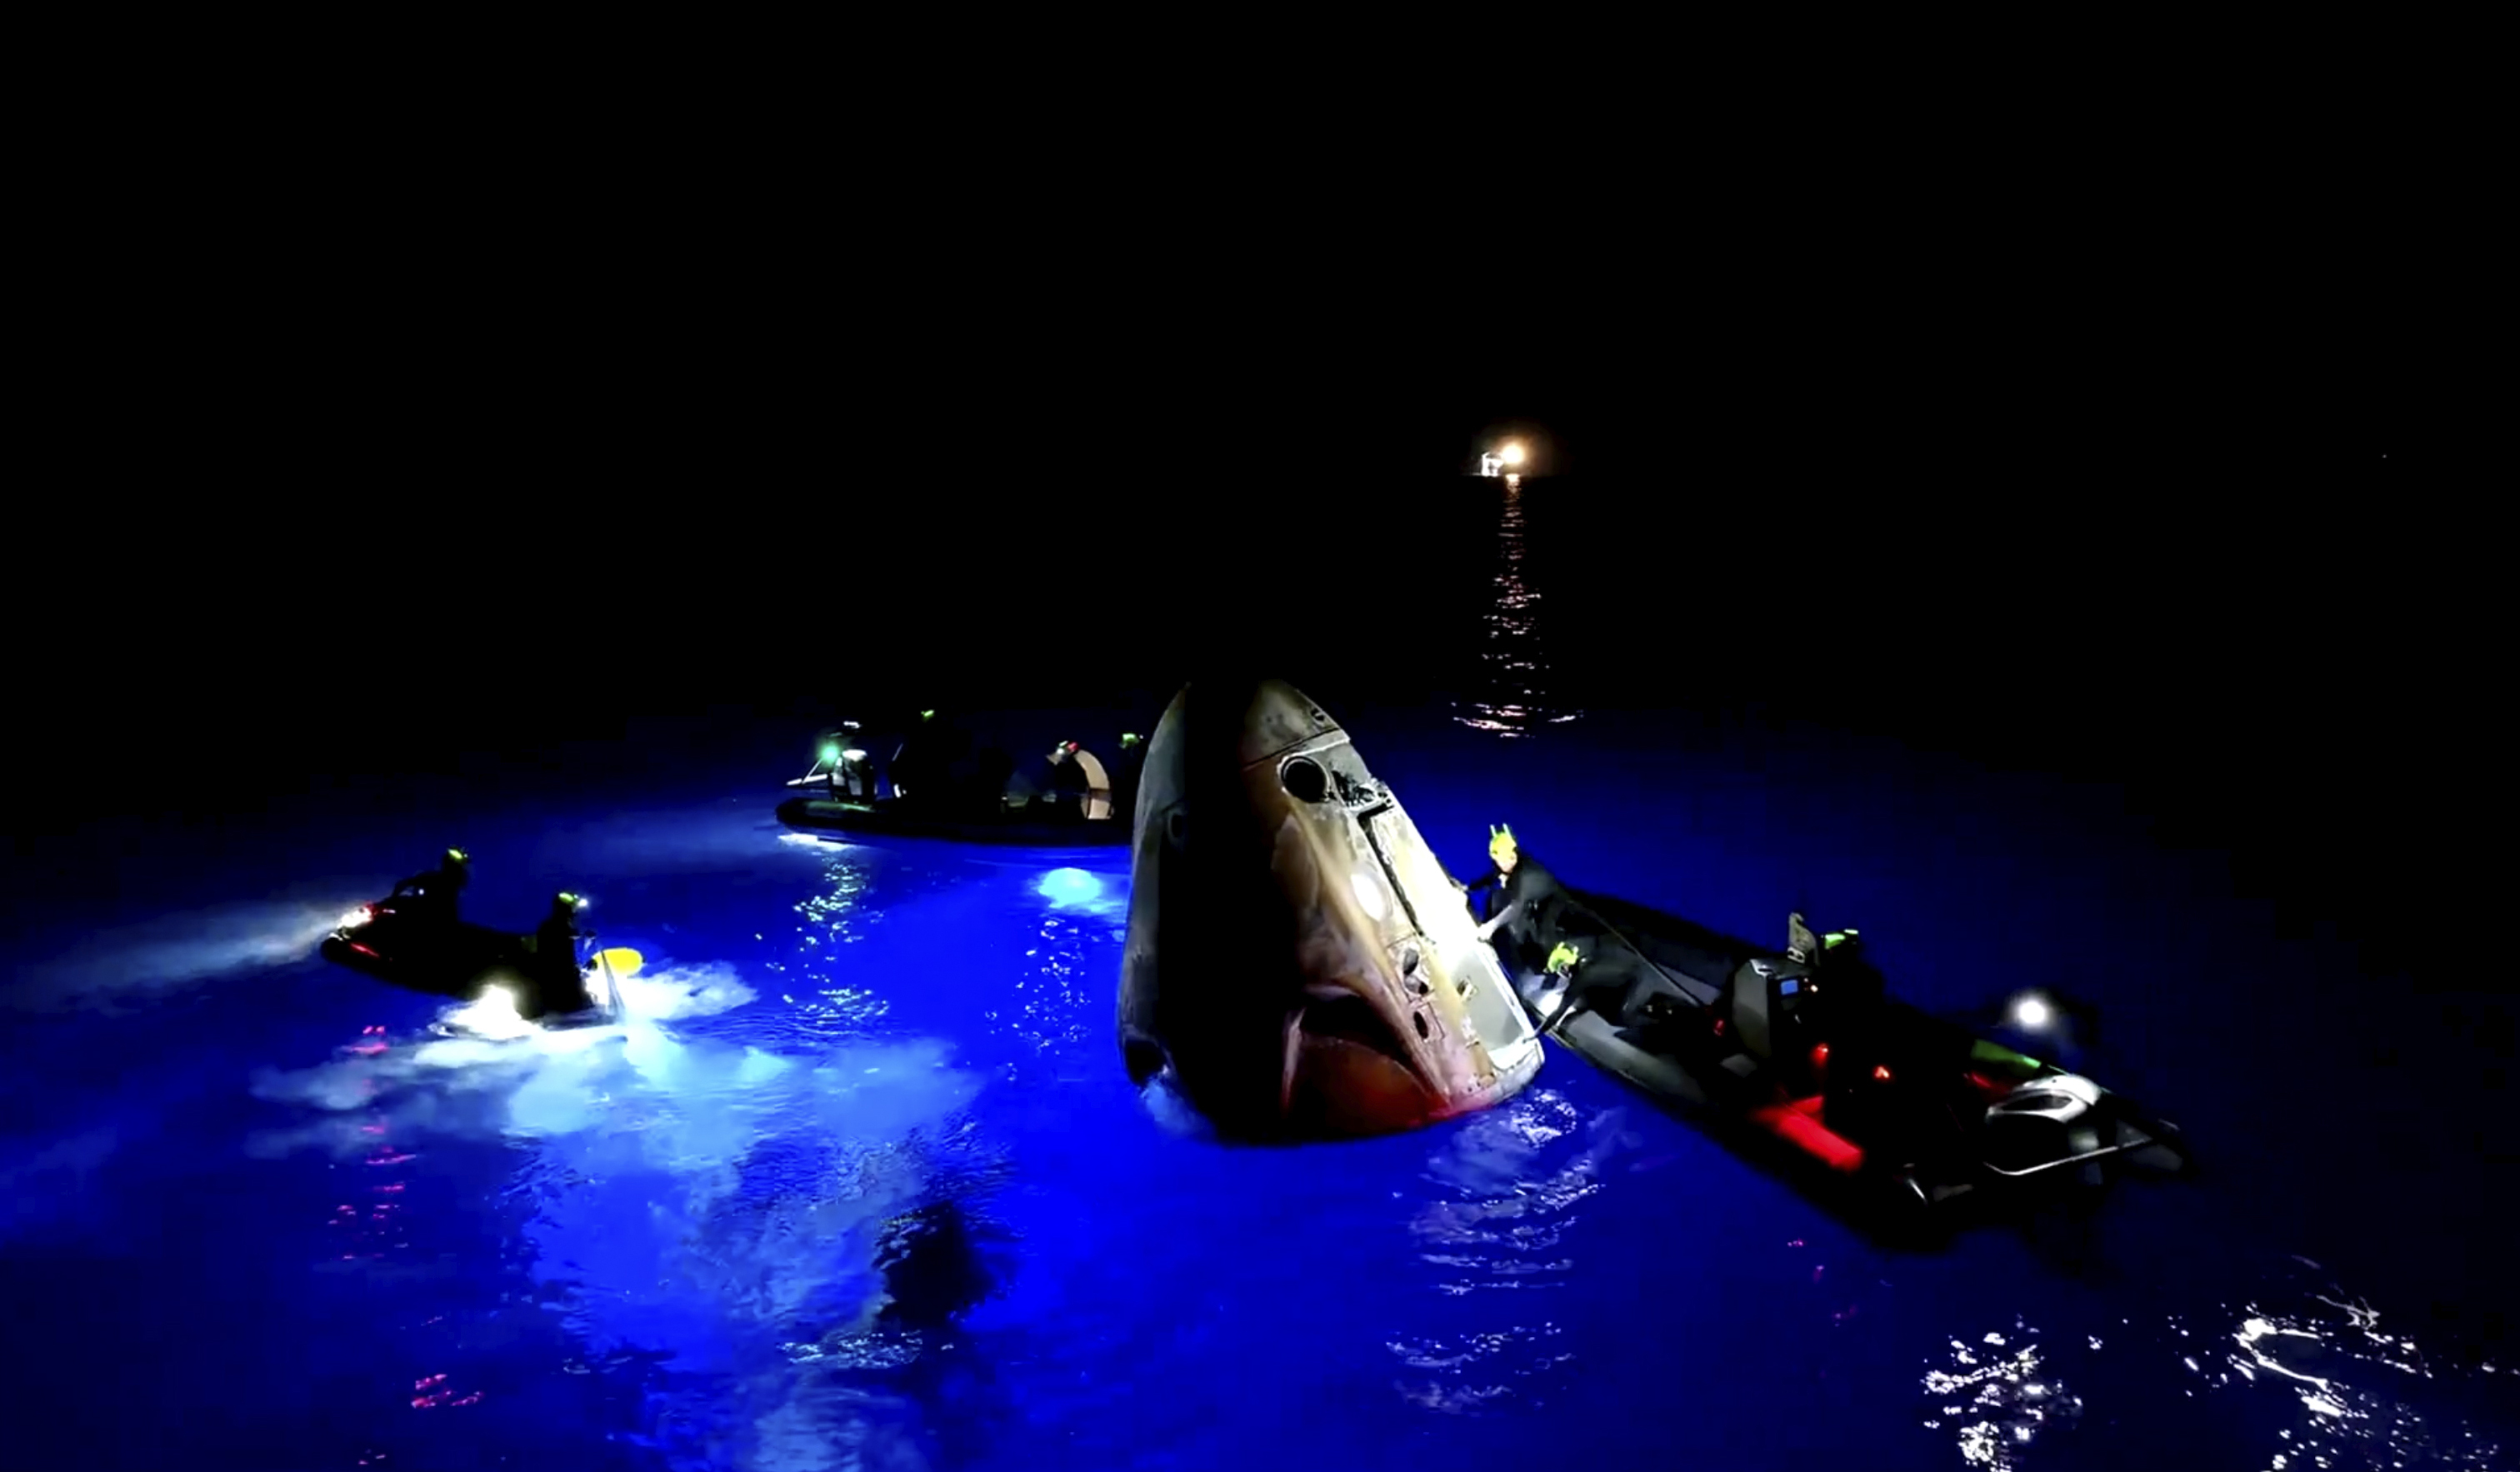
922	766
847	776
432	895
559	981
1523	896
997	784
1070	787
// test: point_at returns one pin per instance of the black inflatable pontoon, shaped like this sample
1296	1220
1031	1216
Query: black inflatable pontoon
461	961
1051	823
1864	1091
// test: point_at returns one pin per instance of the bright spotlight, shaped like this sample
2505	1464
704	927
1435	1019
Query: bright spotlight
1512	455
493	1015
2031	1012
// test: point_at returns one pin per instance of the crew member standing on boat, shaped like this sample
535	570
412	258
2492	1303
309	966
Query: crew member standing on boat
561	978
1523	896
432	895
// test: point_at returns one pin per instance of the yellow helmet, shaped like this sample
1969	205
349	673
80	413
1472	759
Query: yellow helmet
1500	839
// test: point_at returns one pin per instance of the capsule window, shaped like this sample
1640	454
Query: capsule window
1420	1019
1304	779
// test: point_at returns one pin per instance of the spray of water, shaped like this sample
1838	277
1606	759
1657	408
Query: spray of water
709	1203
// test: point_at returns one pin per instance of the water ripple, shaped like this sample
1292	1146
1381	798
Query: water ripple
1513	699
2317	1383
1509	1182
825	1006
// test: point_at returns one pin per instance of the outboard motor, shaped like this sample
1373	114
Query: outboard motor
2043	1123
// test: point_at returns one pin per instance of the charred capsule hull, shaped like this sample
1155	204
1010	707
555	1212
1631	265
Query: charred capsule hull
1298	964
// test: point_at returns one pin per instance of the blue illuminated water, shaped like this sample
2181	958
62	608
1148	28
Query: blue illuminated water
258	1214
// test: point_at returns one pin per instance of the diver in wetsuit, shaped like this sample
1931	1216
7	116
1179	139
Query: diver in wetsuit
432	895
559	981
922	766
846	776
997	784
1525	897
1070	789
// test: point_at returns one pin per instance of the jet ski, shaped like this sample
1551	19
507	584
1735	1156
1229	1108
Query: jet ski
398	942
1852	1088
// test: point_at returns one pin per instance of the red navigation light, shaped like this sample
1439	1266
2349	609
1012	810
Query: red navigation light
1881	1072
1820	1055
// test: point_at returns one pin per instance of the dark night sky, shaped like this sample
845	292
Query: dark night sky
372	540
623	504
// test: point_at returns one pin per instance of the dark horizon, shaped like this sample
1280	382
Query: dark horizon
2232	591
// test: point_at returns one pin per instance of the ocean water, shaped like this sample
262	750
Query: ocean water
861	1184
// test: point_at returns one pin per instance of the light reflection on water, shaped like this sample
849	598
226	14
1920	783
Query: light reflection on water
2316	1382
1513	699
816	987
2000	1395
1508	1182
1061	1002
716	1207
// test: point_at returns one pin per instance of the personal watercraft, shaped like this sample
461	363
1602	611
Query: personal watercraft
399	941
1860	1090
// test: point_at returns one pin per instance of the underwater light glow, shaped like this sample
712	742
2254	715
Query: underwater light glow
1070	886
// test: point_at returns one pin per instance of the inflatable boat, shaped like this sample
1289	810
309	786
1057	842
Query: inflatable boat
1056	822
1808	1055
